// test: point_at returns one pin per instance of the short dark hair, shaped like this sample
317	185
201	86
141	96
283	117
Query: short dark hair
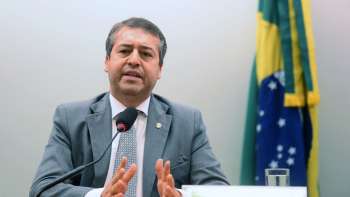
145	25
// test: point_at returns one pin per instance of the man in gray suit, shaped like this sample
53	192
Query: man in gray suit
164	130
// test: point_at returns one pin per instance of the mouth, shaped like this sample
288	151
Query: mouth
132	74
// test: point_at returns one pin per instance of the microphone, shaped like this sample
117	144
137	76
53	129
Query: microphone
126	119
124	122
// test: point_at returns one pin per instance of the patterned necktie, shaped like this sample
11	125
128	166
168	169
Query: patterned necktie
127	148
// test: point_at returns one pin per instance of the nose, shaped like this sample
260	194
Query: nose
134	58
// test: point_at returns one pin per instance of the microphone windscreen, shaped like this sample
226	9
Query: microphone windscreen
126	119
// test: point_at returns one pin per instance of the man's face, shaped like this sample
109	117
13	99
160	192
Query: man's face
133	66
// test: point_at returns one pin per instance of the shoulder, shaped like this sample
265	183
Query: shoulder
178	110
175	107
83	107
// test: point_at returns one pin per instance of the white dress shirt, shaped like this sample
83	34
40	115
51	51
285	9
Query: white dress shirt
140	126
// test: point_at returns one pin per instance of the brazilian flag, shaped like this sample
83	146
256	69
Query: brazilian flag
281	129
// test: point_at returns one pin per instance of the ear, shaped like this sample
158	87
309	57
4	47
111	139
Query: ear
105	68
160	71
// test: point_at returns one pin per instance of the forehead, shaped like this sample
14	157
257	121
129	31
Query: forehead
127	35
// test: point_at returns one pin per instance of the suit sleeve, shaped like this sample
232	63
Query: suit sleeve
57	161
205	168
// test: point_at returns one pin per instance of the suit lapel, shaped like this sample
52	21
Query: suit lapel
154	141
100	129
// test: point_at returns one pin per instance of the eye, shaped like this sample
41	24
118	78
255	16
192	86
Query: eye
124	51
146	54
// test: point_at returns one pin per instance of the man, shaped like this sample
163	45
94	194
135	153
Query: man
134	61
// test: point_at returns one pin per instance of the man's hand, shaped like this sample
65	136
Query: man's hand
119	184
165	184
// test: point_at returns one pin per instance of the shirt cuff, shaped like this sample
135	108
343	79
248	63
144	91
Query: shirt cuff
94	192
182	192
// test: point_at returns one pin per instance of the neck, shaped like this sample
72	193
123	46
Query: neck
129	100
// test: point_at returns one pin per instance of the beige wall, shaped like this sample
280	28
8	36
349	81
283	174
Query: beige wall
332	40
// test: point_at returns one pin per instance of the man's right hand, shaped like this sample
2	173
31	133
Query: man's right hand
119	184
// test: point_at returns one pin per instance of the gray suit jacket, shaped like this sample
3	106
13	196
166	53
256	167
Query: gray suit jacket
82	130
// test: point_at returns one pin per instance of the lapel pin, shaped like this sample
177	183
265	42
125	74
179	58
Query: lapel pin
158	125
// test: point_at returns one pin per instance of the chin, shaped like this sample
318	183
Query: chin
131	91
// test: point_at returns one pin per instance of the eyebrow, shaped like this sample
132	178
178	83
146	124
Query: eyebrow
142	46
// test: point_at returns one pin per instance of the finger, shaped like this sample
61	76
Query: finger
118	175
166	169
123	163
170	192
129	173
119	172
117	195
170	181
159	168
119	187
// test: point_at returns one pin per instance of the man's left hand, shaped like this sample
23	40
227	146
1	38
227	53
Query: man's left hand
166	183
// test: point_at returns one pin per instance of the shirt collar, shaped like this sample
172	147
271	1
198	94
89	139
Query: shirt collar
118	107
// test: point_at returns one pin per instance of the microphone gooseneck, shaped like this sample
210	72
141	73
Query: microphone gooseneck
124	122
